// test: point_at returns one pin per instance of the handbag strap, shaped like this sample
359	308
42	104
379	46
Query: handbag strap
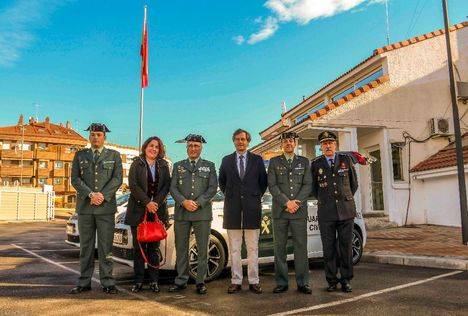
161	263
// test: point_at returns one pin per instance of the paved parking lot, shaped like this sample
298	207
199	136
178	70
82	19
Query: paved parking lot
37	269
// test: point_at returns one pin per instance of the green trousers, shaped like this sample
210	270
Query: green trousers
298	228
88	225
202	230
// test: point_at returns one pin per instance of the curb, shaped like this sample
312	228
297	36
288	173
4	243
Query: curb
417	261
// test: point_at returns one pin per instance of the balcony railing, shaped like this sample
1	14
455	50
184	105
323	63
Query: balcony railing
46	154
15	171
58	173
16	154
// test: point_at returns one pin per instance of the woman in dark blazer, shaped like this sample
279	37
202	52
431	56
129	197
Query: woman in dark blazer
149	182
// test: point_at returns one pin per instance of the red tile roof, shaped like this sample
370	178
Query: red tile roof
333	105
419	38
42	132
443	159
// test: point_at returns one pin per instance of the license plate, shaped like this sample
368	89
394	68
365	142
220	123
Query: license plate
118	238
70	229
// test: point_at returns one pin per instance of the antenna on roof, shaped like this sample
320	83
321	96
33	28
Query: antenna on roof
283	108
36	110
388	23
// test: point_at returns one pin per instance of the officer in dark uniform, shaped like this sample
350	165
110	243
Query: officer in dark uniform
96	176
193	185
334	183
290	182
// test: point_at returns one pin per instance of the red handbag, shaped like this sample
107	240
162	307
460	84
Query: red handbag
151	232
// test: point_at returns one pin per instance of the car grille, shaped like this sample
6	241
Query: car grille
73	238
122	253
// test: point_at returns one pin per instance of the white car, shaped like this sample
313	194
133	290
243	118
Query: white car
73	233
218	258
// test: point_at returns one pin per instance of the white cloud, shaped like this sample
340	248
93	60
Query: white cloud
239	39
17	25
301	12
268	29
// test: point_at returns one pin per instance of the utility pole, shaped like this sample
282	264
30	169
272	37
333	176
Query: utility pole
456	125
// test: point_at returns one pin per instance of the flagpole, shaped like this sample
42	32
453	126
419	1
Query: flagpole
140	134
142	94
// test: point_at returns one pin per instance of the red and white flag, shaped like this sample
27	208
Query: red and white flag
144	54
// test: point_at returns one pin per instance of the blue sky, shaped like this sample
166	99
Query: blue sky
214	66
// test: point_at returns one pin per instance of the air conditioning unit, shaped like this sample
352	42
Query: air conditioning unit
440	126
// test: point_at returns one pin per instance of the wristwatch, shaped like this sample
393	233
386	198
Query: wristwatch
91	195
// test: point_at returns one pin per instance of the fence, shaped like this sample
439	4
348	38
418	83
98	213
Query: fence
26	204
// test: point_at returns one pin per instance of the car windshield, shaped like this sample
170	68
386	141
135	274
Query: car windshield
123	199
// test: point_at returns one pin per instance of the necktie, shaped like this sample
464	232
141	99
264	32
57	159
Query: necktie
96	155
332	163
241	167
192	162
289	162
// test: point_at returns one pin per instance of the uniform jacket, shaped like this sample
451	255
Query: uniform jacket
199	185
138	183
243	198
334	189
289	183
104	176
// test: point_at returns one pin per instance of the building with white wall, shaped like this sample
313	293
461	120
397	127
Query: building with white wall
394	105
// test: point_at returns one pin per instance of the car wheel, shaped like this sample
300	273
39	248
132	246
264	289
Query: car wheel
357	246
216	258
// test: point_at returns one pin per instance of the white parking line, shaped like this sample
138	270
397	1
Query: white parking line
54	250
141	297
360	297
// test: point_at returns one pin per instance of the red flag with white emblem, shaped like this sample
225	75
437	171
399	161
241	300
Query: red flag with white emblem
144	54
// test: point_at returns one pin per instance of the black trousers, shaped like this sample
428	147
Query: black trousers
151	250
337	252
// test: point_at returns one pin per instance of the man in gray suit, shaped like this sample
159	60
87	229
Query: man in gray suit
193	186
96	176
290	182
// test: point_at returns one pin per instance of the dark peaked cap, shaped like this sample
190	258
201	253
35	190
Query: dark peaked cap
192	138
98	127
327	135
287	135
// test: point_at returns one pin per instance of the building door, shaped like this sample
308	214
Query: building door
376	182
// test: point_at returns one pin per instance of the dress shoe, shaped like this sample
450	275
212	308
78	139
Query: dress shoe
201	288
255	288
234	288
177	288
280	289
305	289
78	289
346	287
110	289
331	288
137	287
154	287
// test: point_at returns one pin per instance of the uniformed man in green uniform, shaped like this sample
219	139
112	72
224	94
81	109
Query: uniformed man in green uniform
193	185
289	182
334	183
96	176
